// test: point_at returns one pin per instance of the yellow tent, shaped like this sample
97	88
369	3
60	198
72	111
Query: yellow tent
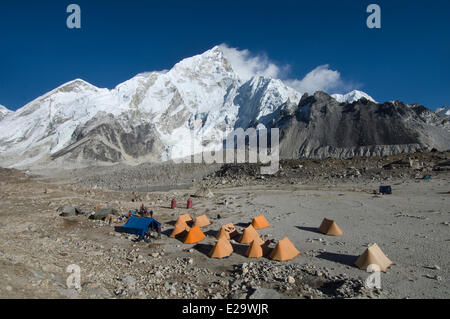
329	227
254	250
222	249
180	229
194	236
249	235
284	250
260	222
202	221
373	255
230	229
184	218
223	233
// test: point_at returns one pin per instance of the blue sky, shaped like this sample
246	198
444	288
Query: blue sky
407	59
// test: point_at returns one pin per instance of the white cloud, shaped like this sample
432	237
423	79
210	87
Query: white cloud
322	78
247	65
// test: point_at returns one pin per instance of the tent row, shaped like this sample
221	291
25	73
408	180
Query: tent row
284	249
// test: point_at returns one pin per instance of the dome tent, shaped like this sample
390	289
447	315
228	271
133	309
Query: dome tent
284	250
373	255
254	250
249	235
194	236
180	229
329	227
222	249
184	218
260	222
223	234
202	221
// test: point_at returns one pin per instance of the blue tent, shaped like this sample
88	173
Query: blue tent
139	225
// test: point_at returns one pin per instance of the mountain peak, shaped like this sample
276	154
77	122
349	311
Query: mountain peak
207	65
4	111
352	96
77	83
445	110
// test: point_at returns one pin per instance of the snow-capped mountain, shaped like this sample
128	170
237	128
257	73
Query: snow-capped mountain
192	107
4	111
445	110
352	96
201	94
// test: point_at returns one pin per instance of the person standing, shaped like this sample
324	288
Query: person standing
148	235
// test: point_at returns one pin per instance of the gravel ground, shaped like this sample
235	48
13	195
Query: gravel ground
411	226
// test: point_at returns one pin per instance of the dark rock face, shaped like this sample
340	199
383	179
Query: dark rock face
322	127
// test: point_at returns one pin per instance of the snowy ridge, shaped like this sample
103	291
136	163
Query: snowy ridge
4	110
352	96
445	110
201	92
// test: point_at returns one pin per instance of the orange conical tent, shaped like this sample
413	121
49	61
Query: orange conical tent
260	222
284	250
184	218
202	221
222	249
249	235
223	233
180	229
231	230
373	255
194	236
329	227
255	250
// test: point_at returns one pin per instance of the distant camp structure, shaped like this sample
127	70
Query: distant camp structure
67	211
260	222
329	227
284	250
139	226
373	255
386	190
102	213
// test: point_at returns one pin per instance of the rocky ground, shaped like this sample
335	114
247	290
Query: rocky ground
411	226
